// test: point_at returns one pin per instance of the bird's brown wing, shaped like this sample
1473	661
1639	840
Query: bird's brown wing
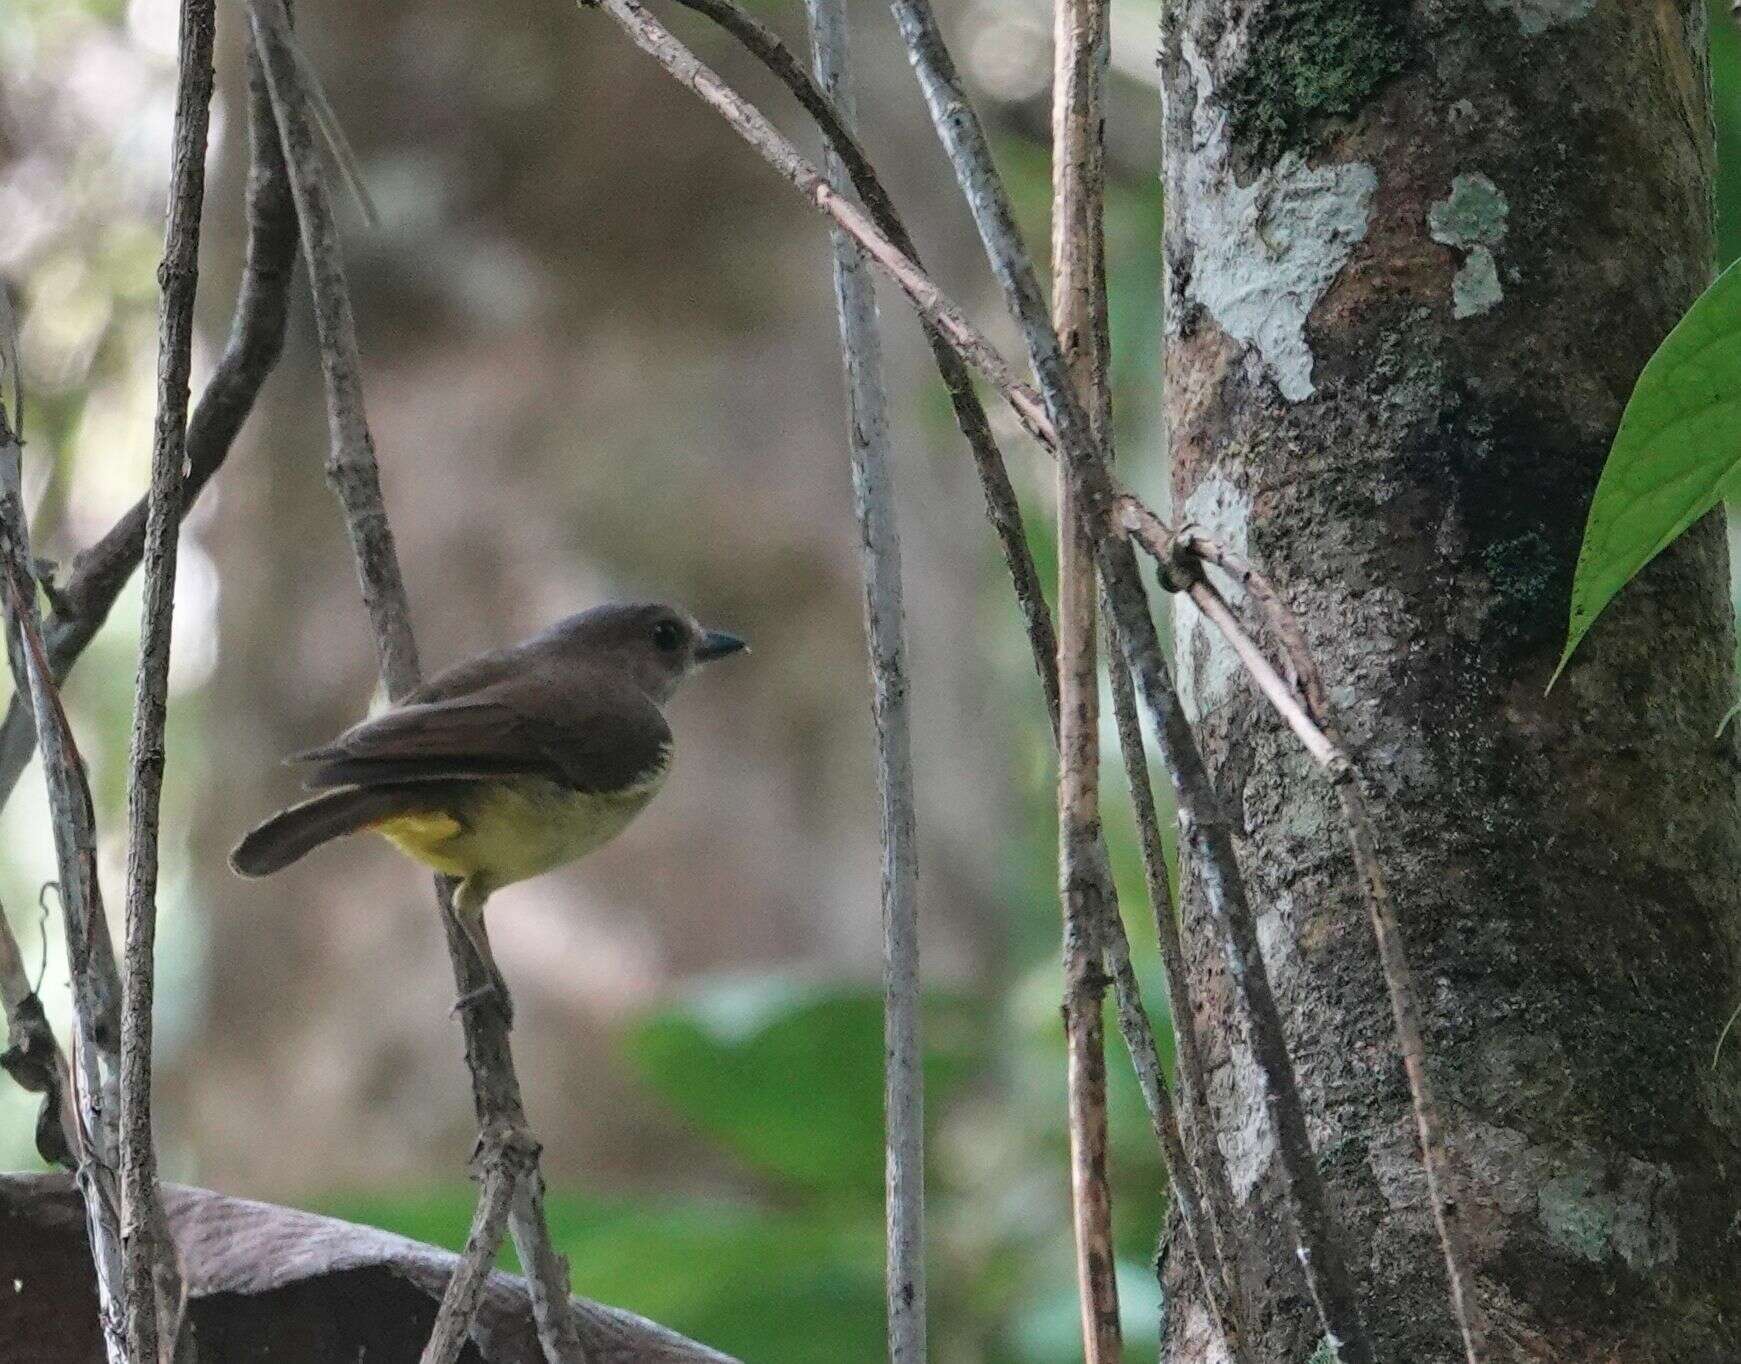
596	739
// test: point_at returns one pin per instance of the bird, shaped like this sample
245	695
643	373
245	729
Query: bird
507	765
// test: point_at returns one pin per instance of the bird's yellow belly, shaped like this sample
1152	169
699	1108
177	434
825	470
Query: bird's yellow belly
507	831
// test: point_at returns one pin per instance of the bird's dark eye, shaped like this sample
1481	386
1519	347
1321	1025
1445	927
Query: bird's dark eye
667	638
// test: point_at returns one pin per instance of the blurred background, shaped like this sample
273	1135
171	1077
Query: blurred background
600	354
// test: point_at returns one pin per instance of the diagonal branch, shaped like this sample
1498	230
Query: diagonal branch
465	1290
885	636
96	1003
153	1284
82	603
504	1136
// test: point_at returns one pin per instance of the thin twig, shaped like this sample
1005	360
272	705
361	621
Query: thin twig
355	478
96	1025
465	1290
1001	506
1210	1233
1078	203
885	639
141	1206
1305	707
546	1269
1204	826
82	603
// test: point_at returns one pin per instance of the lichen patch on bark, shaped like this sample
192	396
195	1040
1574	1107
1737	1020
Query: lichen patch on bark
1267	251
1472	218
1476	289
1247	1141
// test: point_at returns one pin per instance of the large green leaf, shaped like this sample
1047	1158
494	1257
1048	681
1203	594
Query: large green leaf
789	1075
1674	458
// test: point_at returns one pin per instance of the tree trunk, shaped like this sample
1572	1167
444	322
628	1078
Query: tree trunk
1416	256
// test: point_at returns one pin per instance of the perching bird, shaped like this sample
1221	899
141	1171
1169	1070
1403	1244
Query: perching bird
507	765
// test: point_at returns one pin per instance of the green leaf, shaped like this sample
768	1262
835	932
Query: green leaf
1674	457
789	1076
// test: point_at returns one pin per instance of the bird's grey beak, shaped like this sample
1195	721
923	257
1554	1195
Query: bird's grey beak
717	644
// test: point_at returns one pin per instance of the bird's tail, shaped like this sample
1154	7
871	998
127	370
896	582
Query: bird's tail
291	833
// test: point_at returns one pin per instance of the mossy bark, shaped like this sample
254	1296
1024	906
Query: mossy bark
1403	320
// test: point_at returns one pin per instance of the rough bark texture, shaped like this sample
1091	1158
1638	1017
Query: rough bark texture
1417	255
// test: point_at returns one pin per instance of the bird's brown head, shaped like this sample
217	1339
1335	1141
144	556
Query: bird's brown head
657	645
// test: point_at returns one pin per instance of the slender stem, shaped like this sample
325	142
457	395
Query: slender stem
96	1024
1078	203
1210	1234
885	638
1200	1227
465	1290
351	469
178	278
546	1270
354	475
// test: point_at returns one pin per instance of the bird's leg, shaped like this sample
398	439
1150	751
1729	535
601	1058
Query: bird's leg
468	913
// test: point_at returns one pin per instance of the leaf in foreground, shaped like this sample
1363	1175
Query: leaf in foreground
1676	453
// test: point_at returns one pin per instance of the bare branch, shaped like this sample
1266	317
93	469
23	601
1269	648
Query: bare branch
546	1271
885	631
96	1025
82	602
465	1290
1078	302
1210	1229
656	41
1200	1226
355	478
351	469
150	1264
